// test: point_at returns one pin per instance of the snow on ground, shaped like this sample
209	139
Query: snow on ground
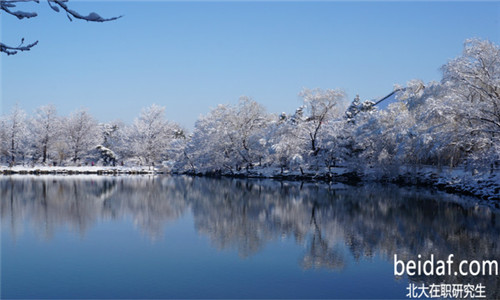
78	170
485	185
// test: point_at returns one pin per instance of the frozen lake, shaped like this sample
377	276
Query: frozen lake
185	237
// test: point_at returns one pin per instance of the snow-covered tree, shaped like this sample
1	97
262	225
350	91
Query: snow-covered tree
473	80
333	151
357	106
15	132
250	122
212	146
81	134
151	134
476	77
309	137
45	128
110	133
229	138
4	140
116	137
457	121
107	155
321	107
9	7
381	135
177	150
287	145
435	138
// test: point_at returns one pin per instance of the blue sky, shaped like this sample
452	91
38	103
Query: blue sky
190	56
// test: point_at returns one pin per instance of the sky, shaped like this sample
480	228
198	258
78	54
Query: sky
190	56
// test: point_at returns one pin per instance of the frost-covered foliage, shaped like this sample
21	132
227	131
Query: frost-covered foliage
14	134
81	130
229	138
49	139
474	81
457	121
107	155
357	106
46	129
451	123
151	134
321	107
310	137
287	147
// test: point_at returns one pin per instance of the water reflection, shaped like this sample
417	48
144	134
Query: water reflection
245	215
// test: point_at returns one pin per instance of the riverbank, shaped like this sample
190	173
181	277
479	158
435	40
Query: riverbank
79	170
485	186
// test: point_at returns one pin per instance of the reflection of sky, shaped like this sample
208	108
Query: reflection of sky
115	260
199	237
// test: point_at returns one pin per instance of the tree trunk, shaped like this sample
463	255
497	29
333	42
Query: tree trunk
44	153
12	148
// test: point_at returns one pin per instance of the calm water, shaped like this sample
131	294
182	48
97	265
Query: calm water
183	237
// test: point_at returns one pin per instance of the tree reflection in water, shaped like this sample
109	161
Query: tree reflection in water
247	214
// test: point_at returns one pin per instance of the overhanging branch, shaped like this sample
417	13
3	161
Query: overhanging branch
8	5
13	50
92	17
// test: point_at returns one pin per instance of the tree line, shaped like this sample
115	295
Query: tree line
454	122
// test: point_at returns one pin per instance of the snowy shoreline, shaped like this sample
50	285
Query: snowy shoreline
78	170
485	186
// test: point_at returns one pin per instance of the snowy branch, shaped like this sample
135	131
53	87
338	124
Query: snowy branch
489	121
8	5
13	50
92	17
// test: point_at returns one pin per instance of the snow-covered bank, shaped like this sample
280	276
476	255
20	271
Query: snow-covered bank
76	170
482	185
